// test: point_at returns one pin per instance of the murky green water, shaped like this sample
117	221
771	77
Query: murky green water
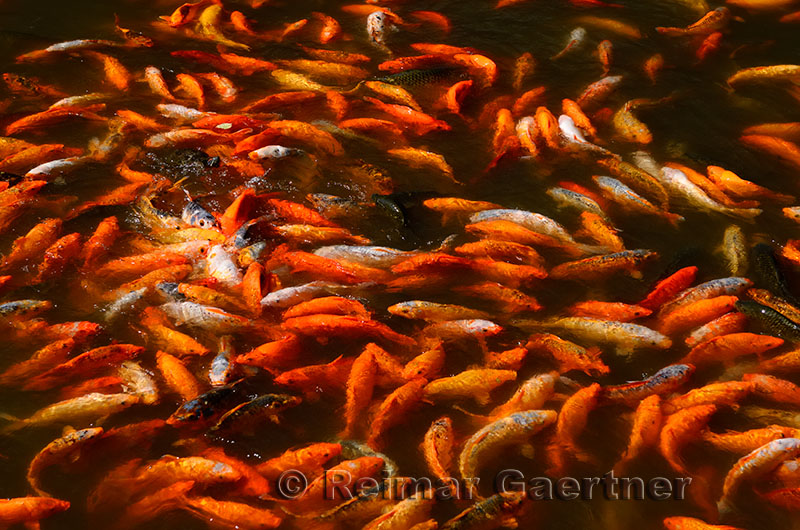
699	126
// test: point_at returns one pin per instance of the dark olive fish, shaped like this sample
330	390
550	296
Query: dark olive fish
413	78
393	207
27	308
774	321
488	513
664	381
769	272
366	504
203	407
262	407
181	157
334	207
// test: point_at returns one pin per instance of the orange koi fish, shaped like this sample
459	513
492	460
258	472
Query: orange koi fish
394	408
647	422
712	21
572	419
680	429
568	355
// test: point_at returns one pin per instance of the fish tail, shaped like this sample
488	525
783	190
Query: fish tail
745	213
625	351
591	250
35	487
354	89
346	433
447	244
177	185
673	218
563	52
15	425
725	508
477	420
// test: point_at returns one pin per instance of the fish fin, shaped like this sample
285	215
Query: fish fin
268	497
624	351
12	428
477	418
483	399
354	89
447	244
283	508
559	396
68	429
485	351
15	425
592	249
672	32
674	218
176	185
725	508
509	522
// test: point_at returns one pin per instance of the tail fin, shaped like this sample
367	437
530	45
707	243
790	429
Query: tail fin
15	425
673	218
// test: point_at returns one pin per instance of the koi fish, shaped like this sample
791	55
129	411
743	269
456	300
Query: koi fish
712	21
489	512
626	336
753	465
576	39
476	384
512	429
663	381
84	408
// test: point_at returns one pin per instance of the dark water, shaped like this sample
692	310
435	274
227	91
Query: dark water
699	126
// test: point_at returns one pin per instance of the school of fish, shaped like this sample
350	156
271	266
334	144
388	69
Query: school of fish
217	286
